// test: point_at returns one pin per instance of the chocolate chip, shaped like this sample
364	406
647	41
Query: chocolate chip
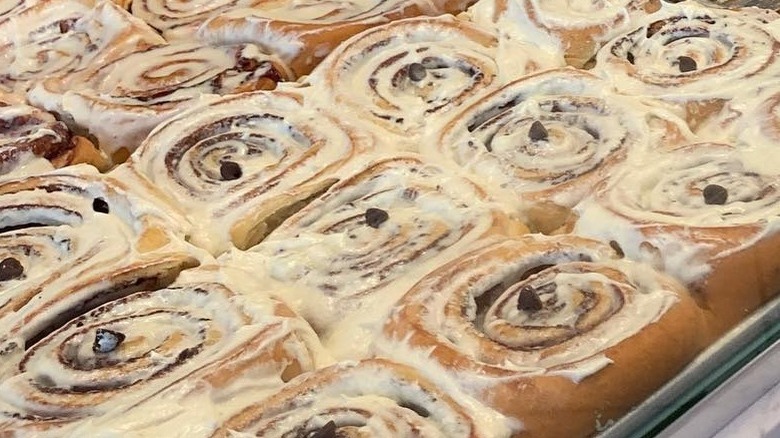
416	72
618	250
715	194
246	64
419	410
64	26
326	431
230	170
630	57
686	64
528	300
106	341
99	205
537	132
376	217
10	269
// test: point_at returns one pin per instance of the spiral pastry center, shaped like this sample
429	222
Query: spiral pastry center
553	306
153	343
258	143
548	141
711	189
433	82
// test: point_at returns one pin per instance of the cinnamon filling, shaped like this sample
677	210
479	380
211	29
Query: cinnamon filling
419	410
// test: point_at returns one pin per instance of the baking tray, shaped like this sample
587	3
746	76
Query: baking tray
710	369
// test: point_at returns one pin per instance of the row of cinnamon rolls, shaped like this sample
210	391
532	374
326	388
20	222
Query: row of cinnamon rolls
330	260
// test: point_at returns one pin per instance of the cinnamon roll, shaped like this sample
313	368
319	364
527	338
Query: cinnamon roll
692	57
544	328
27	133
303	32
241	164
56	38
707	213
549	136
411	73
201	334
376	398
121	102
347	256
72	239
576	28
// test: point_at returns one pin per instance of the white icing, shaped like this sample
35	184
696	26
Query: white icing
34	47
347	389
552	24
281	148
639	198
461	62
645	297
76	246
735	46
342	274
204	310
588	130
121	102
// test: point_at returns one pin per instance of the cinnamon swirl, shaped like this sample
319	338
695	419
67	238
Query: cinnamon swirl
707	213
549	136
692	57
71	240
201	334
122	101
375	398
370	237
545	328
241	164
577	28
303	32
412	73
27	132
56	38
